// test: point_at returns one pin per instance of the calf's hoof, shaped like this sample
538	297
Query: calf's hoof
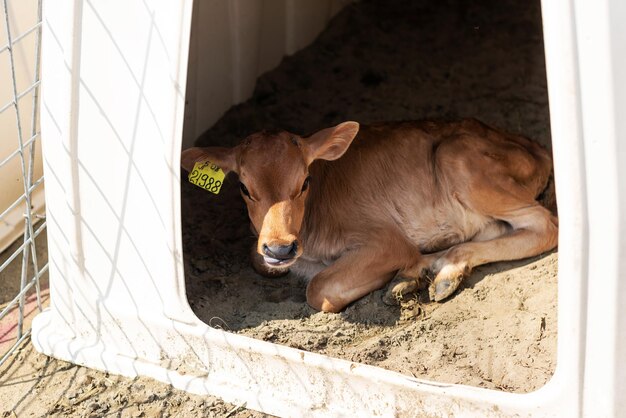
446	283
399	287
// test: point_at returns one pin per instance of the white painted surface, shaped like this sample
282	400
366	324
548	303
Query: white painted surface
113	116
601	37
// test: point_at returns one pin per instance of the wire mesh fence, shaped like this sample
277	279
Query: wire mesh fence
20	162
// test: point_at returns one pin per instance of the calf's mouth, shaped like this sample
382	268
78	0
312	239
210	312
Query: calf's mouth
280	254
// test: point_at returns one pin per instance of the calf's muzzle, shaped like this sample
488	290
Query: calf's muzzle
280	253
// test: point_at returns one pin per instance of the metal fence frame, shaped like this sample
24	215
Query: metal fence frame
27	249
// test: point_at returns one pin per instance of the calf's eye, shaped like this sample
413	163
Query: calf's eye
244	189
305	185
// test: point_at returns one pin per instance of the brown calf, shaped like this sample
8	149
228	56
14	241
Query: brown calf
407	199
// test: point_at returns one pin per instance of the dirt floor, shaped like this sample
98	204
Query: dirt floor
378	60
391	60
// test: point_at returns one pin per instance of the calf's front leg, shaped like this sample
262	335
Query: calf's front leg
355	274
410	279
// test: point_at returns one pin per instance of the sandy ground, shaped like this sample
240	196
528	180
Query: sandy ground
391	60
378	60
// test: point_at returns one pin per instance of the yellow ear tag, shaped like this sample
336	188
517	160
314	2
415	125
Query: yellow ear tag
208	176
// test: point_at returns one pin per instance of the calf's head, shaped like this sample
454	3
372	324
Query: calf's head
273	169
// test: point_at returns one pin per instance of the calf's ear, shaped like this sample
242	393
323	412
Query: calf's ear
224	158
330	143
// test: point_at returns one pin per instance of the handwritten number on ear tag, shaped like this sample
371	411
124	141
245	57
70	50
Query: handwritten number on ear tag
208	176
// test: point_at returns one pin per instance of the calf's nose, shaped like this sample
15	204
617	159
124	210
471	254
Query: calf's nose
281	252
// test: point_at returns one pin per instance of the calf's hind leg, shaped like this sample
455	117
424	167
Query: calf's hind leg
419	276
534	231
